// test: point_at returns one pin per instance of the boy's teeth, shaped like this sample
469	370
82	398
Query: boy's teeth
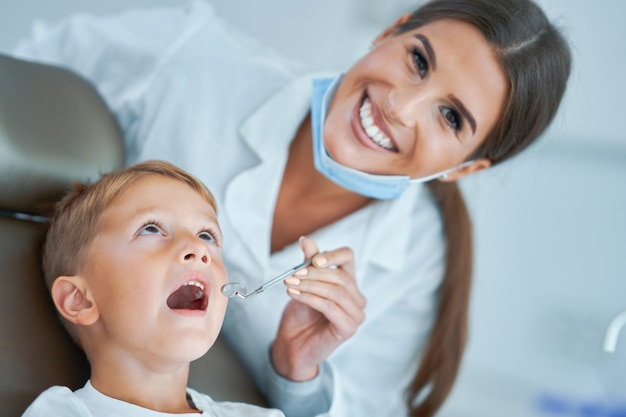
195	283
374	133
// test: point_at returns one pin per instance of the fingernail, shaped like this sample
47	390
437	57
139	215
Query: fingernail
292	281
302	272
320	260
293	291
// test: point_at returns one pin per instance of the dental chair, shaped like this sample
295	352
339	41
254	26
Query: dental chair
55	129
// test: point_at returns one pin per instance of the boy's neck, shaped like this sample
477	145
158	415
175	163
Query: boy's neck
163	391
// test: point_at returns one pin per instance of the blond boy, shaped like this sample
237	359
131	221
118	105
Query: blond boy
134	267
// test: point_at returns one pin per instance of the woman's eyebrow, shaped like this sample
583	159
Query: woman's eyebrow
459	104
429	50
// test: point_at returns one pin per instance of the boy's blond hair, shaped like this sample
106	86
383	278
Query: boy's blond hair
78	215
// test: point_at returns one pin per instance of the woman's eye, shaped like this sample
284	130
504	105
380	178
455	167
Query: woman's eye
420	63
150	229
451	117
208	236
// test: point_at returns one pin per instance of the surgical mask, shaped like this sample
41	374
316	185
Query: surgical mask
382	187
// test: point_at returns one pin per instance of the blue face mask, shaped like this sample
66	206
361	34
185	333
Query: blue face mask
382	187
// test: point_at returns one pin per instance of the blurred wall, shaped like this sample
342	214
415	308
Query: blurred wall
332	33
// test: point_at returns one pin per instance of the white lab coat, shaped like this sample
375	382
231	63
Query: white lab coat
189	89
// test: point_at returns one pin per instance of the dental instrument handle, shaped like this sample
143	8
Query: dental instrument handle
281	277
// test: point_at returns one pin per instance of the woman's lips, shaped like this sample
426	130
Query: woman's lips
368	127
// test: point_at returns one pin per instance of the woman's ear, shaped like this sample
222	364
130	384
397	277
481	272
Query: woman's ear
74	301
391	29
475	166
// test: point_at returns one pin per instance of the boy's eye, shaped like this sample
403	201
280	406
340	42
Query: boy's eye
150	229
420	63
208	236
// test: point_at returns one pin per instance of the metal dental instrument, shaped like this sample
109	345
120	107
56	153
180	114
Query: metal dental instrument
235	289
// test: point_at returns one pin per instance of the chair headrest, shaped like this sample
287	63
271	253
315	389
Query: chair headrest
54	129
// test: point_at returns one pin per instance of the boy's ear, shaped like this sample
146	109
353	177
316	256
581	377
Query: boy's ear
74	301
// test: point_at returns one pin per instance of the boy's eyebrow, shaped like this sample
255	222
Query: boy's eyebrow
459	104
429	50
158	210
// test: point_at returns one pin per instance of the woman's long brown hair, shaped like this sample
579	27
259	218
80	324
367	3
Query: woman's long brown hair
444	350
536	61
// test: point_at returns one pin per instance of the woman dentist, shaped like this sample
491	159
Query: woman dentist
365	161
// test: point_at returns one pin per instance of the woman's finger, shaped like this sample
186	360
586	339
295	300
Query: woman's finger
333	284
345	321
328	298
309	247
342	258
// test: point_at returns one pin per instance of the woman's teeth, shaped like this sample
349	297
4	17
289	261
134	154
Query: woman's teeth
373	131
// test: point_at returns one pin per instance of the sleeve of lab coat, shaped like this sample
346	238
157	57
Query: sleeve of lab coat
118	54
370	373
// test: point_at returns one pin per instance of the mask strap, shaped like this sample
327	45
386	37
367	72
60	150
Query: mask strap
442	174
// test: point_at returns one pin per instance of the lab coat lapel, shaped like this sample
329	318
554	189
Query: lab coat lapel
385	242
253	193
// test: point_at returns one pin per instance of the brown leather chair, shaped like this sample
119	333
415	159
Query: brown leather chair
54	129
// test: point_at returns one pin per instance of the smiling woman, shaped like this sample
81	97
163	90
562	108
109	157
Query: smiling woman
449	90
430	115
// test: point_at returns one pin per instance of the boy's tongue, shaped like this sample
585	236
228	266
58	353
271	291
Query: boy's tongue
188	297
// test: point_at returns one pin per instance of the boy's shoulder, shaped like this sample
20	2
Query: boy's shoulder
230	409
57	401
62	402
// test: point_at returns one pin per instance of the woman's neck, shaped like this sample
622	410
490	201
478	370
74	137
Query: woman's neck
304	180
307	200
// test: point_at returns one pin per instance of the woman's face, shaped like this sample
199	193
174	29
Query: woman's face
417	103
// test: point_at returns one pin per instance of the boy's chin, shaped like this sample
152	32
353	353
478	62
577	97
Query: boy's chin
192	348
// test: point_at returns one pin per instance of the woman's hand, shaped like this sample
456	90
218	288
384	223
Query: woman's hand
326	310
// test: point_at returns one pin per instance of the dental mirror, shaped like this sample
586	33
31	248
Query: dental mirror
235	289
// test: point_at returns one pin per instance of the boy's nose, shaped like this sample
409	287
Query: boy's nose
196	250
192	255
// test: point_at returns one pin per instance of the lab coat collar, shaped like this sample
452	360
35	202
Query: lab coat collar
251	195
286	109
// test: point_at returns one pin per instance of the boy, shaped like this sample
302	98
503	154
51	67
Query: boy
133	263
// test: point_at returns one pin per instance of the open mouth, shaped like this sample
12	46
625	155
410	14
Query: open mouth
189	296
368	123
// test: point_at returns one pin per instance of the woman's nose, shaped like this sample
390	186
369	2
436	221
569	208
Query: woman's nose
405	105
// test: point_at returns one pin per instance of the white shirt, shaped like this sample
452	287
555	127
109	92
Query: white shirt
188	88
88	402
